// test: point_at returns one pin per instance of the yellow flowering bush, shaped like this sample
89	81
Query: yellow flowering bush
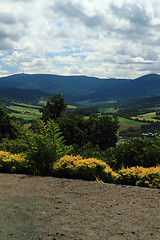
87	169
90	169
149	177
9	162
140	176
97	170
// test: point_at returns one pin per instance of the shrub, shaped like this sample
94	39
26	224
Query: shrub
97	131
14	146
45	147
136	152
149	177
96	170
139	176
86	169
12	163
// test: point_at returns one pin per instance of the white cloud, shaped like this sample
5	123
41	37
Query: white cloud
95	38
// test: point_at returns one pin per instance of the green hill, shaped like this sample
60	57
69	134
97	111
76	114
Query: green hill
83	88
140	107
24	95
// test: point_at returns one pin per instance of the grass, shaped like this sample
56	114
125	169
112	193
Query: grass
127	123
25	111
26	105
147	117
23	116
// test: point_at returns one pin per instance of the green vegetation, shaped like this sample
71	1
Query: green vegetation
44	147
26	117
26	105
24	111
135	152
8	128
97	131
67	144
54	107
128	123
140	107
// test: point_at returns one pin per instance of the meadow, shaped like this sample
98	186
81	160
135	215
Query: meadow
127	123
148	117
25	111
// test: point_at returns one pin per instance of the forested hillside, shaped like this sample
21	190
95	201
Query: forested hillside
24	95
83	88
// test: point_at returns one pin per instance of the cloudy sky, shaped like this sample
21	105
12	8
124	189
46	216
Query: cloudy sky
101	38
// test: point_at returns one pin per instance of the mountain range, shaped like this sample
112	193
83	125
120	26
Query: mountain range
82	88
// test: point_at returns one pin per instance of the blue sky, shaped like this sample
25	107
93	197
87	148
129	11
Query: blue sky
101	38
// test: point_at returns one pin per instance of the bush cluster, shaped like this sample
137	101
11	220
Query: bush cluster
140	176
12	163
97	170
90	169
136	152
87	169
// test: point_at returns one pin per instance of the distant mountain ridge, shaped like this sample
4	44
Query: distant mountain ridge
83	88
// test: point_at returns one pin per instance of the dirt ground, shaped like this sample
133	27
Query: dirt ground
42	208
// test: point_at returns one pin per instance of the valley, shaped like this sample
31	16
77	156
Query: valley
136	106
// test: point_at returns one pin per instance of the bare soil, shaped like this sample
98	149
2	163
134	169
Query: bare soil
42	208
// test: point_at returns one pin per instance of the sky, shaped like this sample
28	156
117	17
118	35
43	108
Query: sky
100	38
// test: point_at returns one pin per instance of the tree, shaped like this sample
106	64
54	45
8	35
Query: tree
104	131
54	107
135	152
75	129
8	128
99	131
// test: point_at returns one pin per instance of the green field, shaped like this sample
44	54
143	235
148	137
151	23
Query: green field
25	111
26	105
23	116
127	123
148	115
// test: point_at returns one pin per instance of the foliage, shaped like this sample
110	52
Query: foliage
54	107
96	170
44	148
75	129
140	176
86	111
14	146
4	102
8	129
98	131
88	169
12	163
135	152
104	131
